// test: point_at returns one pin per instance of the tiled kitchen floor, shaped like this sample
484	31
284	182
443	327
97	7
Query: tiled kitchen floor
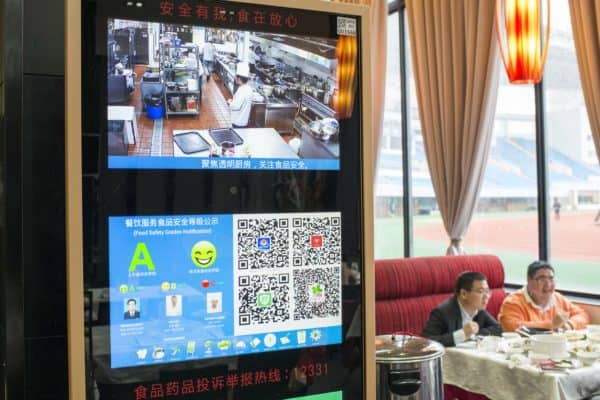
214	113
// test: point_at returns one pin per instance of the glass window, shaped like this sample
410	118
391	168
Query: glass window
573	172
506	220
508	194
388	189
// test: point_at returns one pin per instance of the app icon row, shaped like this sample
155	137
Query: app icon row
209	347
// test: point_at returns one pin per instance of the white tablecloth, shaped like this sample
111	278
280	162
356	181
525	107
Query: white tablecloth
490	374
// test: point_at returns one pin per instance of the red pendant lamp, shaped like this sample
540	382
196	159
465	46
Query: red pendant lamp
524	53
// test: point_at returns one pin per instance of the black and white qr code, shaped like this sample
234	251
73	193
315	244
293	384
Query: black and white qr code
262	243
346	26
316	241
263	299
316	293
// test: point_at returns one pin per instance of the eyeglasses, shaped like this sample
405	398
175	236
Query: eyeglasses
544	279
484	292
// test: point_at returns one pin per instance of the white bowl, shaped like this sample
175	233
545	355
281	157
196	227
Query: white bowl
511	335
553	345
538	357
514	350
593	328
573	336
588	357
490	343
594	337
519	359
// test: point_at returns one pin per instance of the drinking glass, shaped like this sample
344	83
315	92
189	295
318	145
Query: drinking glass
227	149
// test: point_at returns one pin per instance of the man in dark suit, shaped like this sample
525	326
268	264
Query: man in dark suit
463	316
132	312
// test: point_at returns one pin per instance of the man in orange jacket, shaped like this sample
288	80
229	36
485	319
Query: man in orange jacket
538	305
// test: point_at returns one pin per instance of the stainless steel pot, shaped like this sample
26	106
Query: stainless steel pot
330	128
294	93
279	91
267	90
408	368
318	94
326	129
315	128
327	98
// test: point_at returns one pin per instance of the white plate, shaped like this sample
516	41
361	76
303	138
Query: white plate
543	357
564	356
469	344
593	328
514	350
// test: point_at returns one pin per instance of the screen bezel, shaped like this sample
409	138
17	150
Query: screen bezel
74	206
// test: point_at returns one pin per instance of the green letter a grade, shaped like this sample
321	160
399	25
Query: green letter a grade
141	257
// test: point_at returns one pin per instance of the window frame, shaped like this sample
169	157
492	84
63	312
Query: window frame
542	159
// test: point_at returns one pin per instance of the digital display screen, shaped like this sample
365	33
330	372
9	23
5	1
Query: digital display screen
187	287
223	250
221	99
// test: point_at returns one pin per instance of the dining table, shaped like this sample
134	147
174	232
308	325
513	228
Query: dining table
498	373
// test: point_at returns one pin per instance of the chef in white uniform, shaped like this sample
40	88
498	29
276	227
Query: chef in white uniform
208	56
241	104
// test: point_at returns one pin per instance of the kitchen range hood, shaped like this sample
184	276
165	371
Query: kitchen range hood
318	50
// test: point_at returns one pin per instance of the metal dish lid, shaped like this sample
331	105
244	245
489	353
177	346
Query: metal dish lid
391	349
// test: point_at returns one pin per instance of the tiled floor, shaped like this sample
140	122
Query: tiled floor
214	113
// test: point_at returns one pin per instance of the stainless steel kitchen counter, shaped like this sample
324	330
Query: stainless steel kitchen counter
311	147
226	68
277	102
274	112
258	143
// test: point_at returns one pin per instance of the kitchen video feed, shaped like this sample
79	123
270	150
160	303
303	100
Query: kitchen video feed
194	97
189	287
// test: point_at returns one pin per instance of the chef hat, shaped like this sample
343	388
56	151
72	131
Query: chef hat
243	69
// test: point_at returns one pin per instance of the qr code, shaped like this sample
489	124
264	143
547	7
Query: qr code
262	243
263	299
346	26
316	241
316	293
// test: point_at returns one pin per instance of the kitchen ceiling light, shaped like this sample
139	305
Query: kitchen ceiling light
518	22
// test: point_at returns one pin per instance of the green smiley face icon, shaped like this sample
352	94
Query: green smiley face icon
204	254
